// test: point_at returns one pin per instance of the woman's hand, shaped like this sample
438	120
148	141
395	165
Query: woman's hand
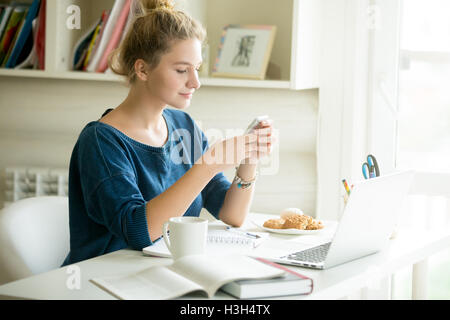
265	141
245	149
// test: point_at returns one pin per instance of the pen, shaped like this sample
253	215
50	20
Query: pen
255	236
346	186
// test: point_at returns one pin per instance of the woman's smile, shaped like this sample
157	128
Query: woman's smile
187	95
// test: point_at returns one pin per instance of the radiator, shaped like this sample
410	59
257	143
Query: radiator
21	183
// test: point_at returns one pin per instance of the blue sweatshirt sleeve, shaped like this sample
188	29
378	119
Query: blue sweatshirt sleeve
118	204
111	194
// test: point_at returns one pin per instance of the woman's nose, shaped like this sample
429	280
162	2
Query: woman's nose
194	82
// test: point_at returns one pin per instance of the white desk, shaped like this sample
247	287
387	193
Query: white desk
408	248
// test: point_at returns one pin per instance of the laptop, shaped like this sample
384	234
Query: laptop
365	227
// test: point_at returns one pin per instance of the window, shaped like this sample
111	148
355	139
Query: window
424	87
423	127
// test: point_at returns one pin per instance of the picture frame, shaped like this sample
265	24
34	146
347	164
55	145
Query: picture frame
244	51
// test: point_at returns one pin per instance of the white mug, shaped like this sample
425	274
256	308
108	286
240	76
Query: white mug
187	236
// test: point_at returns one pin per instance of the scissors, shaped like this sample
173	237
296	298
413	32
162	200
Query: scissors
370	168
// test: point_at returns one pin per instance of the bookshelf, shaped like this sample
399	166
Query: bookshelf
205	81
293	63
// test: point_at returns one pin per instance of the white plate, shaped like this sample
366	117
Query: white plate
286	231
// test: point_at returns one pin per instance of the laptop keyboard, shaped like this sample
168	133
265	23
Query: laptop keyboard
315	254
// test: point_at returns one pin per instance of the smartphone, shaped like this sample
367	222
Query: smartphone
255	123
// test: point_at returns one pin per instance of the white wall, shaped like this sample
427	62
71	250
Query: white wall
40	120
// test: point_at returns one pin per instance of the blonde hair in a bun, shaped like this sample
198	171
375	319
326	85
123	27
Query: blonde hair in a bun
147	6
155	27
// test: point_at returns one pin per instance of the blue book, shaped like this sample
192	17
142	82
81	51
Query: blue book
24	34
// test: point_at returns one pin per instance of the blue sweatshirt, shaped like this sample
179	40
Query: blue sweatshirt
112	177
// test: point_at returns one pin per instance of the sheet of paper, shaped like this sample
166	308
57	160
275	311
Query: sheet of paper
150	284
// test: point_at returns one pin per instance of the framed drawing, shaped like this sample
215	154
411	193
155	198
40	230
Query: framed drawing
244	51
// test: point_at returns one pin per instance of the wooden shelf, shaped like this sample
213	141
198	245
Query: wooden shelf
226	82
68	75
76	75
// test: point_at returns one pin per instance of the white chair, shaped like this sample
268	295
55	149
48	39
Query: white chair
34	237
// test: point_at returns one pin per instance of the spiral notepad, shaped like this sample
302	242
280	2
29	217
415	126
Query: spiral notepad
228	238
218	240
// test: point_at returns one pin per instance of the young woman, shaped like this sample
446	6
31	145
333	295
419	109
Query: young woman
143	163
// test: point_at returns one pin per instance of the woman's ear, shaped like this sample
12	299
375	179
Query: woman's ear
141	69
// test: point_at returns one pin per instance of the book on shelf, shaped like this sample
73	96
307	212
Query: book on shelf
6	13
107	33
14	40
115	37
219	239
10	30
81	48
105	16
290	283
20	51
196	273
23	34
92	50
131	15
39	38
92	44
94	37
28	58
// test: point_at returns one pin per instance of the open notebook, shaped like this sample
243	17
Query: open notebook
220	241
195	273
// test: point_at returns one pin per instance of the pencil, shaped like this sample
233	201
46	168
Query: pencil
346	186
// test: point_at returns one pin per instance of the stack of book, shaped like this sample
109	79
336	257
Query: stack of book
238	275
290	283
22	35
102	37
